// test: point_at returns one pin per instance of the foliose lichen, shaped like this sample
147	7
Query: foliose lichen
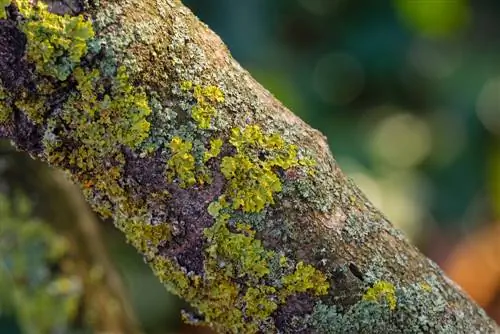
55	43
207	99
181	164
5	109
252	171
4	4
382	291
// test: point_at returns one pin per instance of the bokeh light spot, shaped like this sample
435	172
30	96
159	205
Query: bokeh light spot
488	106
434	60
401	140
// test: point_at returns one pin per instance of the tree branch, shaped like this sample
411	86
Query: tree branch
237	205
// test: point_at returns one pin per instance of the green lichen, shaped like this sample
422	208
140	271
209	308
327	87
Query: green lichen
55	43
306	278
251	172
207	99
146	237
214	208
104	115
33	108
244	255
382	291
4	4
259	303
181	164
5	109
215	147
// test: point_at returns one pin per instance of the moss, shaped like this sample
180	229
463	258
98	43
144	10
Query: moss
306	278
4	4
181	164
54	43
251	172
382	291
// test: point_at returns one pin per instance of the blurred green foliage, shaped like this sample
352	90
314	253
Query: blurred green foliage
43	300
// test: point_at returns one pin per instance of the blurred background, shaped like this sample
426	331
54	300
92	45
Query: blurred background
408	94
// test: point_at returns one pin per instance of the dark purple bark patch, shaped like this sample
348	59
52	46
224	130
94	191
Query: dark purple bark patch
15	72
288	316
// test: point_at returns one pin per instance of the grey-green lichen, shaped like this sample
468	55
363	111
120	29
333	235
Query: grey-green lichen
420	308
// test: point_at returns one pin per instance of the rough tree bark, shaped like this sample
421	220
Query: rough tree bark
236	204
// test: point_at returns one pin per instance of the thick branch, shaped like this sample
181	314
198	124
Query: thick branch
237	205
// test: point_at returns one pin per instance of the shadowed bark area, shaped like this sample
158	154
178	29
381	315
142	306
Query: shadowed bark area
235	203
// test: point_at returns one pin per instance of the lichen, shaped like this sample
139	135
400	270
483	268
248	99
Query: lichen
34	105
55	43
104	115
243	255
5	109
4	4
181	164
214	151
146	237
382	291
207	98
306	278
251	172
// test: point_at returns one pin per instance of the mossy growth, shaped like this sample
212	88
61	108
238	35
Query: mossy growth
4	4
55	43
382	291
252	171
181	164
207	99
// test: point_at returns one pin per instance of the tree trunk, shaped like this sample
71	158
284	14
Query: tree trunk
236	204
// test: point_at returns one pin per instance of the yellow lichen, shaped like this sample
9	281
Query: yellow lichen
251	171
3	5
215	146
305	278
181	164
146	237
207	99
55	43
5	110
382	291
